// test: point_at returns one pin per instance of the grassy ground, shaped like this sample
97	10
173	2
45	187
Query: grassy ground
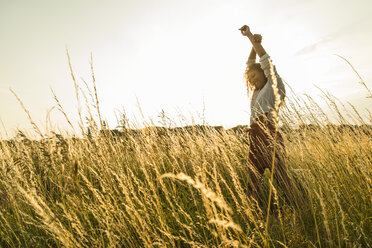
188	187
184	188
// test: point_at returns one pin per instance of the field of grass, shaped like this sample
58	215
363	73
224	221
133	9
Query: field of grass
188	187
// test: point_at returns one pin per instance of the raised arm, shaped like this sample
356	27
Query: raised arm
264	57
257	46
252	55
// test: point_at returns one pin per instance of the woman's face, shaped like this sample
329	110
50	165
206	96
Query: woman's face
257	78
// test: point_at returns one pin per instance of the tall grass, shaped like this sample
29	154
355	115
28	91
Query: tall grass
188	187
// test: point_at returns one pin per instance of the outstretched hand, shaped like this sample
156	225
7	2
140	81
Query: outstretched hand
245	31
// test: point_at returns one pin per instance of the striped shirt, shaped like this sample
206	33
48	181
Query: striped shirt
263	100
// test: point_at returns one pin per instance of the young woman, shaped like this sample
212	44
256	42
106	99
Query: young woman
265	103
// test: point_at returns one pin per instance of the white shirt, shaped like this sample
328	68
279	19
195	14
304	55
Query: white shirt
263	100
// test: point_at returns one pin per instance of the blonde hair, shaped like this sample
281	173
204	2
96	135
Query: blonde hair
251	88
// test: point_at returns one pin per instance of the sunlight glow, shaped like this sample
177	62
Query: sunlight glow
175	56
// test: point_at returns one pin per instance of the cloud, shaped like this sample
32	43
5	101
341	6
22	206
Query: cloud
355	27
311	48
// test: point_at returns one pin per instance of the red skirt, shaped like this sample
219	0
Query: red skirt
261	138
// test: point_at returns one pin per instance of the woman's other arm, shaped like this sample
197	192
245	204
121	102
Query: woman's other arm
256	45
252	55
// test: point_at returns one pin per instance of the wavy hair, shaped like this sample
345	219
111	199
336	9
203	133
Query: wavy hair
250	87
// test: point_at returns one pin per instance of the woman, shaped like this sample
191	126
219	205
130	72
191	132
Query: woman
268	94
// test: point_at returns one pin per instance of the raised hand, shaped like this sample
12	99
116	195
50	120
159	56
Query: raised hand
245	31
257	38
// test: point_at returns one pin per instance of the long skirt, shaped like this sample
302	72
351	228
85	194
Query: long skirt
261	138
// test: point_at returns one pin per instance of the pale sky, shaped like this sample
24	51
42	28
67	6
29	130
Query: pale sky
175	55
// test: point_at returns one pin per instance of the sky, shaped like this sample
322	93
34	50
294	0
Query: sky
184	57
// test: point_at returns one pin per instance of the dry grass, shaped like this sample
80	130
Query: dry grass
187	187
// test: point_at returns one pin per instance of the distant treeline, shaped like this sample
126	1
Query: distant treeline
204	129
240	129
